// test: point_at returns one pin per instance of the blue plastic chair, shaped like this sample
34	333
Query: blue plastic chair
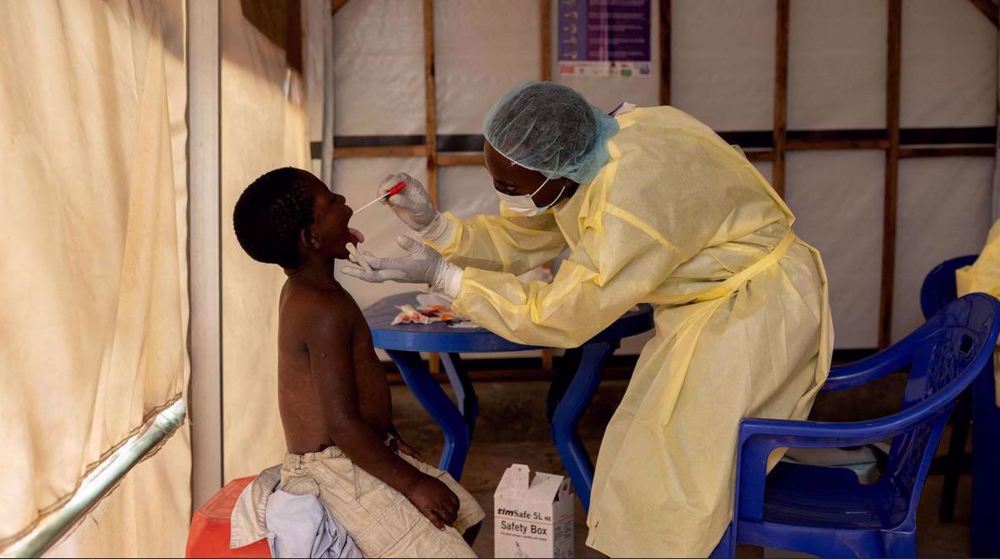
937	291
939	288
826	511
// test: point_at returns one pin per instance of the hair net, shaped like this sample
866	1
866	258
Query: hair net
552	129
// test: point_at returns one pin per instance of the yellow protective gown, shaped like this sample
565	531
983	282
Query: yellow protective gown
983	276
680	219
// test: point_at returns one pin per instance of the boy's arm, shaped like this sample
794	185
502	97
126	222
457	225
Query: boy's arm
330	360
403	446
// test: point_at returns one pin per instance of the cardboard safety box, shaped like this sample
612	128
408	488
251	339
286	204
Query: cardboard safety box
532	516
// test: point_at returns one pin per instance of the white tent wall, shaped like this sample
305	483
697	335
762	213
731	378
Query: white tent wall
948	79
93	256
315	21
944	209
378	50
379	64
949	65
722	62
837	64
380	92
481	53
847	229
723	66
263	127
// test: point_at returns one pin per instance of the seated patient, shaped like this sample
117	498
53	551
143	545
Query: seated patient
335	404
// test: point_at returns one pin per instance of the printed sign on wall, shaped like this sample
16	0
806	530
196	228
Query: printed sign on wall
604	37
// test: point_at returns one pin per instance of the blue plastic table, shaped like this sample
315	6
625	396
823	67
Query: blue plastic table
404	342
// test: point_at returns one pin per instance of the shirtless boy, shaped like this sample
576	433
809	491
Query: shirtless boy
335	404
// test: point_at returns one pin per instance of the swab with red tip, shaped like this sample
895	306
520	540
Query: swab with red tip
392	192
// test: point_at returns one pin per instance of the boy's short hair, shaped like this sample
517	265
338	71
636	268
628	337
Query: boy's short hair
271	213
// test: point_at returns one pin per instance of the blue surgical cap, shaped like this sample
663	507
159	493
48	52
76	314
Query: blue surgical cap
552	129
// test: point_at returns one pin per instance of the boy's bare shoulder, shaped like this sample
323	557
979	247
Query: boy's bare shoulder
306	304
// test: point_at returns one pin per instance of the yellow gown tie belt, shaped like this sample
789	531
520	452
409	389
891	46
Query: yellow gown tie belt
734	282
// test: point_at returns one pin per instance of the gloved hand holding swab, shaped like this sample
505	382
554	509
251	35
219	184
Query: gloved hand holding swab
392	192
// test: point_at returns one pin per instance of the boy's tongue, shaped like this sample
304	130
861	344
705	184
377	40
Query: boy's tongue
358	237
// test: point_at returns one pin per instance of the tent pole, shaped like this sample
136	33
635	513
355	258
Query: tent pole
204	247
328	106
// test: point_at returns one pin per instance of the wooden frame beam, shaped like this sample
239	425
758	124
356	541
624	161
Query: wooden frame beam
379	151
760	155
545	32
832	144
954	151
430	122
904	152
460	159
894	37
795	140
665	59
430	102
545	35
336	5
780	130
989	9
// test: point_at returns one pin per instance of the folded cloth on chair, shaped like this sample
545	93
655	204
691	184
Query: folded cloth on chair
294	525
867	462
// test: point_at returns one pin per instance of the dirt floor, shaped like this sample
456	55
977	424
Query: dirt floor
513	428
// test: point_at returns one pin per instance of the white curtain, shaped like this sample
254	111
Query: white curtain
92	335
263	127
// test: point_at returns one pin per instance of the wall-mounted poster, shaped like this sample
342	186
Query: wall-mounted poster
604	37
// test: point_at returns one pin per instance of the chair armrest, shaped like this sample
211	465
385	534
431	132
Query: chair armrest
775	433
870	368
760	437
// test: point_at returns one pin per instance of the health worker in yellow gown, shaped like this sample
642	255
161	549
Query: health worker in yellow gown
983	276
655	208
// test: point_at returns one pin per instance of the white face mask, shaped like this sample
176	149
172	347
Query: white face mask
524	204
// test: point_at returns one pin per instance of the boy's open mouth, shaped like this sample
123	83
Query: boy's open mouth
356	235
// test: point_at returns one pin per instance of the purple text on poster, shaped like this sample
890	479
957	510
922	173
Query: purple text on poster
604	30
